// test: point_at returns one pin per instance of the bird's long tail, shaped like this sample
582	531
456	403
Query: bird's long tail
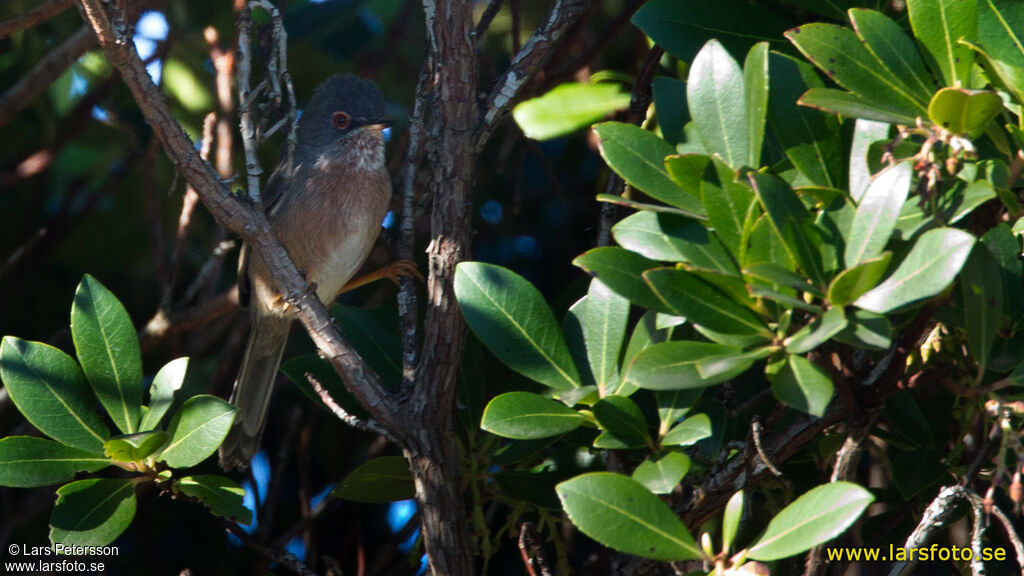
253	388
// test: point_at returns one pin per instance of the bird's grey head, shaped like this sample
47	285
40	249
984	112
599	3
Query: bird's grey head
342	106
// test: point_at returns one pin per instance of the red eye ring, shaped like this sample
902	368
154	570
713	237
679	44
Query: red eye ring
341	120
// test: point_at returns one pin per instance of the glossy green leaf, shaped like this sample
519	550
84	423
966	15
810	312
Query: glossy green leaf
802	385
659	208
818	516
223	496
809	137
639	157
621	417
674	239
1006	248
731	520
790	221
983	303
673	365
135	447
513	320
877	212
524	416
661	473
967	198
766	247
384	479
108	349
1000	26
966	112
622	271
865	133
687	170
687	295
938	25
622	514
717	100
932	264
92	512
866	330
674	404
850	284
161	392
838	52
730	365
774	275
670	106
816	333
48	388
895	50
689	431
731	206
683	26
567	108
755	83
603	320
28	461
855	106
197	430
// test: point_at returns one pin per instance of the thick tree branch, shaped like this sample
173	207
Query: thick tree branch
37	15
241	218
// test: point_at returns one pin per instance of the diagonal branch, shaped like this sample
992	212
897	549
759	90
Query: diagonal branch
528	61
241	218
37	15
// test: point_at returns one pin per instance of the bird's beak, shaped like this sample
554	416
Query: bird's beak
376	123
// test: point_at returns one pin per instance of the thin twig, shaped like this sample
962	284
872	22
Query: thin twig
532	551
487	17
37	15
253	170
283	558
367	425
755	432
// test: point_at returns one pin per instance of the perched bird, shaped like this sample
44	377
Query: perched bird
328	216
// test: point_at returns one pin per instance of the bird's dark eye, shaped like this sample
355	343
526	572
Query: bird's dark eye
341	120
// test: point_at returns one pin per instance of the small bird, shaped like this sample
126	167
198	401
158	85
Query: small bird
328	216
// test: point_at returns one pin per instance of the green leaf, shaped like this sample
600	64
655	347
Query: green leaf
886	41
877	212
682	27
135	447
866	330
49	389
966	112
512	319
809	137
967	199
812	519
838	52
802	385
788	217
816	333
161	393
384	479
689	431
755	83
660	208
673	365
675	239
639	157
855	106
92	512
983	303
661	473
865	133
1006	247
775	275
374	334
670	106
525	416
938	24
932	264
687	170
687	295
1000	23
27	462
850	284
717	100
108	349
731	520
621	270
674	404
197	430
567	108
730	365
621	417
223	496
622	514
603	319
731	206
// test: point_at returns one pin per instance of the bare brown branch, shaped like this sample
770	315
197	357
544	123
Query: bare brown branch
37	15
